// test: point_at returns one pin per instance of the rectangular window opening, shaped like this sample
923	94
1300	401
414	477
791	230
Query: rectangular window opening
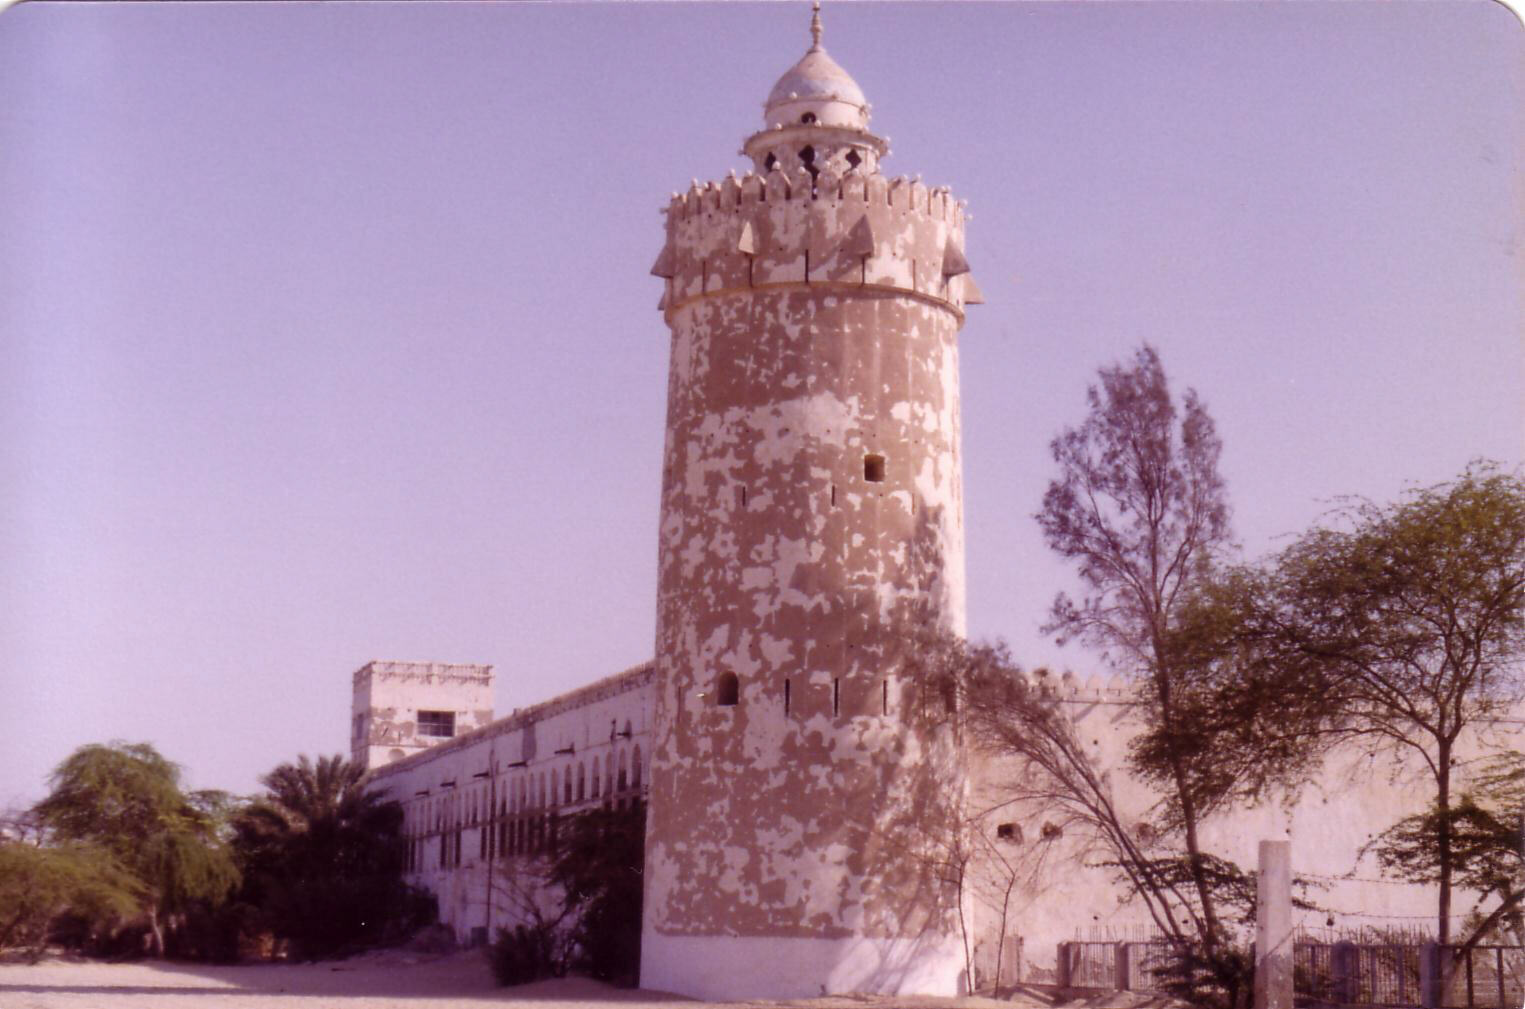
440	724
786	696
743	497
833	495
836	697
873	468
884	698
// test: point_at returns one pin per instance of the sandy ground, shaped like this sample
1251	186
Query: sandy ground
388	980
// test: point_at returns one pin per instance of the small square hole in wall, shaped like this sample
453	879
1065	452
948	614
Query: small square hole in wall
873	468
1008	832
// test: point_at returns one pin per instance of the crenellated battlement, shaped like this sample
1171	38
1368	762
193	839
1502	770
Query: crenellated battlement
861	230
734	191
1091	690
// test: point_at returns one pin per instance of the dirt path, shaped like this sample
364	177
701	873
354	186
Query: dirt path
390	980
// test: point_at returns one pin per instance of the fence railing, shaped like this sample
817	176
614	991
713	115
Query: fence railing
1127	966
1428	976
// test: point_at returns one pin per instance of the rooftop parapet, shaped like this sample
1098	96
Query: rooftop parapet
424	672
856	230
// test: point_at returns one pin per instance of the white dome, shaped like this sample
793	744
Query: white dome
816	77
816	90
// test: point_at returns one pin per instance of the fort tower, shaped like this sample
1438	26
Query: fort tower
402	708
811	507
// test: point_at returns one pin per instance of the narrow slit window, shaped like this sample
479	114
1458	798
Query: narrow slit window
873	468
833	495
743	497
727	690
836	697
884	698
786	696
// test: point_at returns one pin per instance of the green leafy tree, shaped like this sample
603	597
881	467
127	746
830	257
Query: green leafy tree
1411	619
323	858
1484	826
38	884
599	860
1141	510
125	799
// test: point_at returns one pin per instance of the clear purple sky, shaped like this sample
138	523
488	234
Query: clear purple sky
326	332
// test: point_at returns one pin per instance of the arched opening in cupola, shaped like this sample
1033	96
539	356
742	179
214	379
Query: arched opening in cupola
807	158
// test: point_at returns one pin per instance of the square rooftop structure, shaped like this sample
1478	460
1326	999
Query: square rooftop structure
402	708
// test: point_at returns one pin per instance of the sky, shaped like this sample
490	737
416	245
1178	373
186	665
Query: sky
327	333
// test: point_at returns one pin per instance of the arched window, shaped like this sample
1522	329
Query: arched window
582	783
624	778
727	690
597	781
566	786
635	769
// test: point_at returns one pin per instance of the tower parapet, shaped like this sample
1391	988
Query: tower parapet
858	232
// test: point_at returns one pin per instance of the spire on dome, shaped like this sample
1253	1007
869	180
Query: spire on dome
817	89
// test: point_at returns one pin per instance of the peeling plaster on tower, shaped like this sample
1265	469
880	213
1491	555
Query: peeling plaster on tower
811	501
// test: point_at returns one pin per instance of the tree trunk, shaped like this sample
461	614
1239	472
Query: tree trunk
1188	806
1443	802
1195	861
157	930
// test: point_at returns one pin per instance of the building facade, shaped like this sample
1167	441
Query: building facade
481	806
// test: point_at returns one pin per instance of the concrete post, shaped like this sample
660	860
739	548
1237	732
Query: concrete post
1434	963
1344	964
1273	927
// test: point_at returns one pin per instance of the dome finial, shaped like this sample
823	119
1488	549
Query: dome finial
815	26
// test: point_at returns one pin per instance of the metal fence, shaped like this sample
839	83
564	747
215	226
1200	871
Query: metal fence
1347	973
1332	974
1487	976
1428	975
1128	966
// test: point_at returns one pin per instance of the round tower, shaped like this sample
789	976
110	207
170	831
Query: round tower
811	513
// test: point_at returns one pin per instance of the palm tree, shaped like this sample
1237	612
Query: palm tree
323	854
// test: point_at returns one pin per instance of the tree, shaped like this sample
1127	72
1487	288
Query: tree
1140	508
323	858
125	799
1411	616
1484	826
598	864
39	883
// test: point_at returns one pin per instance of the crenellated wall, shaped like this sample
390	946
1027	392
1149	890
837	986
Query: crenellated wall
855	233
